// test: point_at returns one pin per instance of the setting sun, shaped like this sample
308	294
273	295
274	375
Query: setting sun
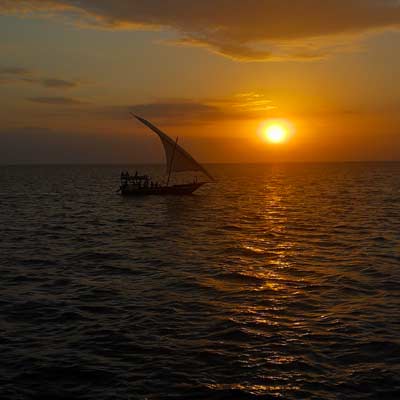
275	131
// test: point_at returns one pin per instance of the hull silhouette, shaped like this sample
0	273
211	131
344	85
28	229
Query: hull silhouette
180	190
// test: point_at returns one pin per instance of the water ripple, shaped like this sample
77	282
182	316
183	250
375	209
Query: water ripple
281	281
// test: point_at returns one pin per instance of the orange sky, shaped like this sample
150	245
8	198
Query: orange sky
208	71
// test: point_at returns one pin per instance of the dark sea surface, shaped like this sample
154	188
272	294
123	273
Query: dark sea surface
279	281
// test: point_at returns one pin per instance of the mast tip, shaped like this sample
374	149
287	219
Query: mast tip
134	115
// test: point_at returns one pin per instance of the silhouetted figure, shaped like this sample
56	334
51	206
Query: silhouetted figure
124	176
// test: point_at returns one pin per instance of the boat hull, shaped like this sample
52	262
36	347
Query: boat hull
177	190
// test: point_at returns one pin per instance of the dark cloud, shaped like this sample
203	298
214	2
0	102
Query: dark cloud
59	101
174	113
14	71
245	30
58	83
23	75
48	83
191	112
171	112
10	75
178	111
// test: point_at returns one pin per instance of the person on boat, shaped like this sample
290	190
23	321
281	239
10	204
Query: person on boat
124	175
124	181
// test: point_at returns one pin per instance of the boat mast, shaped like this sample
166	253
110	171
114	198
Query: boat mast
172	160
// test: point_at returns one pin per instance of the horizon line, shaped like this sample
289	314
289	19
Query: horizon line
34	164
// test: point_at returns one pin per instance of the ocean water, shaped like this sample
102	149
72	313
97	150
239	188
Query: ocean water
278	282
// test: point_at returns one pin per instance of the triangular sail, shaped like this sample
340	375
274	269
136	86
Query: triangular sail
178	159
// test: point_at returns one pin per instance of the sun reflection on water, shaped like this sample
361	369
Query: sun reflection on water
258	389
259	290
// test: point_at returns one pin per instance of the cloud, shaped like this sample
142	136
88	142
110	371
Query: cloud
14	71
178	110
11	75
189	112
14	74
254	30
169	112
192	112
58	101
58	83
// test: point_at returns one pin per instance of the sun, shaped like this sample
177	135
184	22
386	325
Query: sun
275	131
